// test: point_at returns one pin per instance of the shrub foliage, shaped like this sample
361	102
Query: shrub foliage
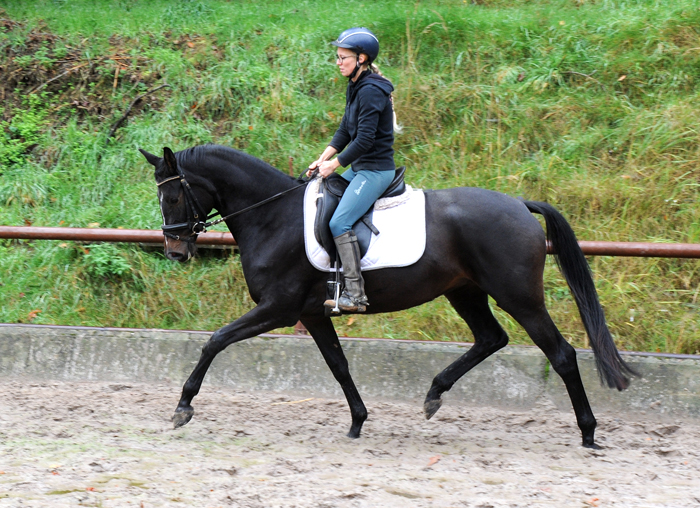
591	106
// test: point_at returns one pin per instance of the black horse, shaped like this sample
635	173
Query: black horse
480	243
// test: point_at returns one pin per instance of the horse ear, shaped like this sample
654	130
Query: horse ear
153	159
170	161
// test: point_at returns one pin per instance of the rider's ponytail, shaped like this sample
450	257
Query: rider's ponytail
397	128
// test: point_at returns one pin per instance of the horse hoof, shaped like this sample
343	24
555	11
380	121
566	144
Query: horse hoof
182	416
431	407
354	434
592	446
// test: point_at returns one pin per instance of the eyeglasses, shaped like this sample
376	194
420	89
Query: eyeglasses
341	59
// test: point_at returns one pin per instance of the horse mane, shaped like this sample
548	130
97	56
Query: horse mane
197	156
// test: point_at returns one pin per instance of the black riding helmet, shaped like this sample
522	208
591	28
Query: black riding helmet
359	40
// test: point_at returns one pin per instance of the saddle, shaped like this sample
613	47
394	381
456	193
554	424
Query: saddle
332	189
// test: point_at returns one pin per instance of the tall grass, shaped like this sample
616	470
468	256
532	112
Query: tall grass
591	106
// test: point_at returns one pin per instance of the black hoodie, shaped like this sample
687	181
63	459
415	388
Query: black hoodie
366	133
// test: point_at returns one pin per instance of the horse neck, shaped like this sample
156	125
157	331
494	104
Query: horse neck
238	180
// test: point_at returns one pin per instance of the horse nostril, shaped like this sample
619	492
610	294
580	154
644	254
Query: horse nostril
175	256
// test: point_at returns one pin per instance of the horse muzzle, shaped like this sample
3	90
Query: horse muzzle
179	250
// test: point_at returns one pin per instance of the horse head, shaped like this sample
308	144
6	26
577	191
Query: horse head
183	216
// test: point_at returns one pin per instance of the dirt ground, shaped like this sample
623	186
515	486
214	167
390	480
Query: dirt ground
112	445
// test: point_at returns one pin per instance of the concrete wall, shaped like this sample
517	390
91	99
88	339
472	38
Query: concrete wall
516	377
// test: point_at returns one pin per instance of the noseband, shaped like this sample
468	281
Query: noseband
195	224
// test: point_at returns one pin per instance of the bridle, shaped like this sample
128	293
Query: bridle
198	222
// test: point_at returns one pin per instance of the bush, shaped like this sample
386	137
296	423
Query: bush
105	261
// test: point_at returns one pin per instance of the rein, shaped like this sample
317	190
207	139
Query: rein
195	224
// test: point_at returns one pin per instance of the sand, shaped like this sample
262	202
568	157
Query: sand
112	445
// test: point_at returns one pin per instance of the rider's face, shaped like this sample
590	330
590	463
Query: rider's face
347	60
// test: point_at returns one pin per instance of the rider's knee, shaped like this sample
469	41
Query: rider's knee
338	227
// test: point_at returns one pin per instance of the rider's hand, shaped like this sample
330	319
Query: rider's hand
314	165
328	167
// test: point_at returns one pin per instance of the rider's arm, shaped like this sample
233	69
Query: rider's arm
341	138
327	154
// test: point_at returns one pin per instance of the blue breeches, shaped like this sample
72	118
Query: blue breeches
365	188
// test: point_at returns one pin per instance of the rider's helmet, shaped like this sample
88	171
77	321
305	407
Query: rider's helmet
359	40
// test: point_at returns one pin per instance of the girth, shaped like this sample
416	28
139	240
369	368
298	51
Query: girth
332	189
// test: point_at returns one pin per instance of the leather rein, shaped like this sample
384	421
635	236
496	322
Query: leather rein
198	222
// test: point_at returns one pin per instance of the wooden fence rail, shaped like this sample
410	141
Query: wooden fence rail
155	236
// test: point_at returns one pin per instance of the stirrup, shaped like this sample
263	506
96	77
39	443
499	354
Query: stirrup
347	303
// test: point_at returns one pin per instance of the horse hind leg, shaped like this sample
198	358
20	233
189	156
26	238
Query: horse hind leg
562	356
471	303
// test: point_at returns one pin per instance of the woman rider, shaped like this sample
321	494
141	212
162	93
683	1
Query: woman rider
364	141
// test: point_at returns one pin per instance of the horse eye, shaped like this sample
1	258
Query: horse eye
172	200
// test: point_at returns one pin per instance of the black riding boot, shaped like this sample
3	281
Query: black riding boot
353	298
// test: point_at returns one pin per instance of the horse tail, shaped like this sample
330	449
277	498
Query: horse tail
572	263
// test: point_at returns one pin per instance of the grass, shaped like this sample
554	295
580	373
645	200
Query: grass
590	106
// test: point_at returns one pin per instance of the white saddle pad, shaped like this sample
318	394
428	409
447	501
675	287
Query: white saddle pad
401	224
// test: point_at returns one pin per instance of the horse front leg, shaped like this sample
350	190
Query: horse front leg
326	338
261	319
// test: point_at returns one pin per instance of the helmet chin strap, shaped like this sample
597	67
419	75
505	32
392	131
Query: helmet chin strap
358	66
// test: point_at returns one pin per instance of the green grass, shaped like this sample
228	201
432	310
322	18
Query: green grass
591	106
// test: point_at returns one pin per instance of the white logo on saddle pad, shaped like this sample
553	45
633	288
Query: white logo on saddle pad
401	224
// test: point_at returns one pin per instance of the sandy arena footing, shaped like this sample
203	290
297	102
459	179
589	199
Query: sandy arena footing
86	422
